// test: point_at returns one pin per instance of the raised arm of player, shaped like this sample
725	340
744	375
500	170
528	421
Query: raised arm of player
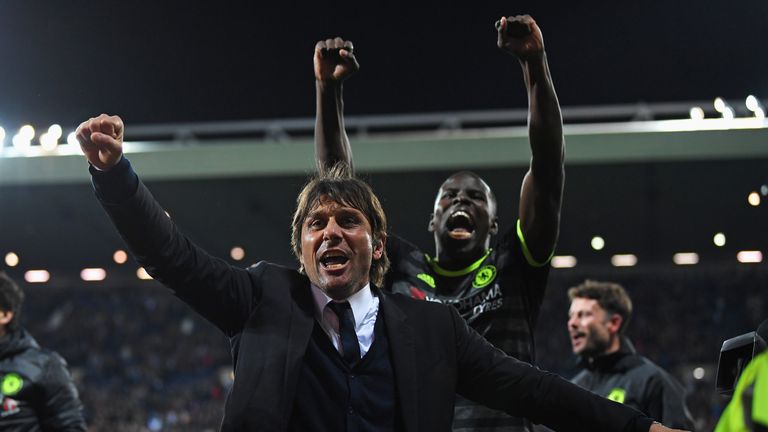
542	190
334	62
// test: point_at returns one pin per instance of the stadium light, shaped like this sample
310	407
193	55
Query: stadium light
750	257
50	139
142	274
237	253
699	373
719	239
72	139
20	142
93	274
55	131
27	132
696	113
564	261
11	259
48	142
120	256
753	199
685	258
37	276
723	108
624	260
598	243
753	104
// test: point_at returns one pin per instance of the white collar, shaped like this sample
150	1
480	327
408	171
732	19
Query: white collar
360	302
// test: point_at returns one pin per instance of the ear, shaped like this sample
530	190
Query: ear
379	246
431	226
614	323
5	317
494	225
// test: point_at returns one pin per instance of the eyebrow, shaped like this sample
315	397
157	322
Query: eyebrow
470	189
313	214
341	209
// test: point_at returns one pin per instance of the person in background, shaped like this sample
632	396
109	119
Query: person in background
597	319
36	390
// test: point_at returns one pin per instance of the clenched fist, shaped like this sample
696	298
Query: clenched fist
101	139
334	60
519	35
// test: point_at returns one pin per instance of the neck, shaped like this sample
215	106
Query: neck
457	259
614	346
344	294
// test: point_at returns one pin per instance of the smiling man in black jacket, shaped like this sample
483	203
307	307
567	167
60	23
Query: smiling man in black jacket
36	390
599	314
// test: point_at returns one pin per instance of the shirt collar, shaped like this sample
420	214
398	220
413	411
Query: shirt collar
360	302
612	361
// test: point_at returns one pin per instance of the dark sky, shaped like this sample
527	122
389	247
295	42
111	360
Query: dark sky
173	61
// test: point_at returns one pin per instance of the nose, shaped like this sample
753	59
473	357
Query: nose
460	197
572	322
332	230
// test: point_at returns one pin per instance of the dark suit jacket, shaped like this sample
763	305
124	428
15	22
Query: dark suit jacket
268	313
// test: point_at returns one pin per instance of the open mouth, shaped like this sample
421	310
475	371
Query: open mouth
577	337
460	225
333	260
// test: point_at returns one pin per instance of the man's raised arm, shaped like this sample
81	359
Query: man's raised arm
542	190
334	62
218	291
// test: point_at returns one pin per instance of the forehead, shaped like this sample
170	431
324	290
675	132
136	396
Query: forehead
585	304
327	206
465	181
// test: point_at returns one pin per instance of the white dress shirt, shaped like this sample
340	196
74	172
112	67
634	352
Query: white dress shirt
365	307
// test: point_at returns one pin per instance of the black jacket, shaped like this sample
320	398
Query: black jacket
268	313
36	390
629	378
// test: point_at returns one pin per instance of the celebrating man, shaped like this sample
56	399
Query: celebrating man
322	348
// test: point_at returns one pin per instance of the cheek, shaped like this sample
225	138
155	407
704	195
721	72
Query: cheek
307	246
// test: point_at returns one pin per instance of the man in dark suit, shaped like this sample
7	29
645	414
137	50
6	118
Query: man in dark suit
322	349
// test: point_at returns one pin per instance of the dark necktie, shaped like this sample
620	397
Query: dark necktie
349	345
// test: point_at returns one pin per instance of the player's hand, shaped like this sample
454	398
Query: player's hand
101	139
519	35
335	60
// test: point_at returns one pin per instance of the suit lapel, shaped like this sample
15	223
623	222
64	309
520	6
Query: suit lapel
400	335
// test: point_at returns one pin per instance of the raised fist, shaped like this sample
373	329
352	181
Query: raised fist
101	139
519	35
334	60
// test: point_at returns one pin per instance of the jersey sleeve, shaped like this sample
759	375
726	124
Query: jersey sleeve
515	260
398	249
